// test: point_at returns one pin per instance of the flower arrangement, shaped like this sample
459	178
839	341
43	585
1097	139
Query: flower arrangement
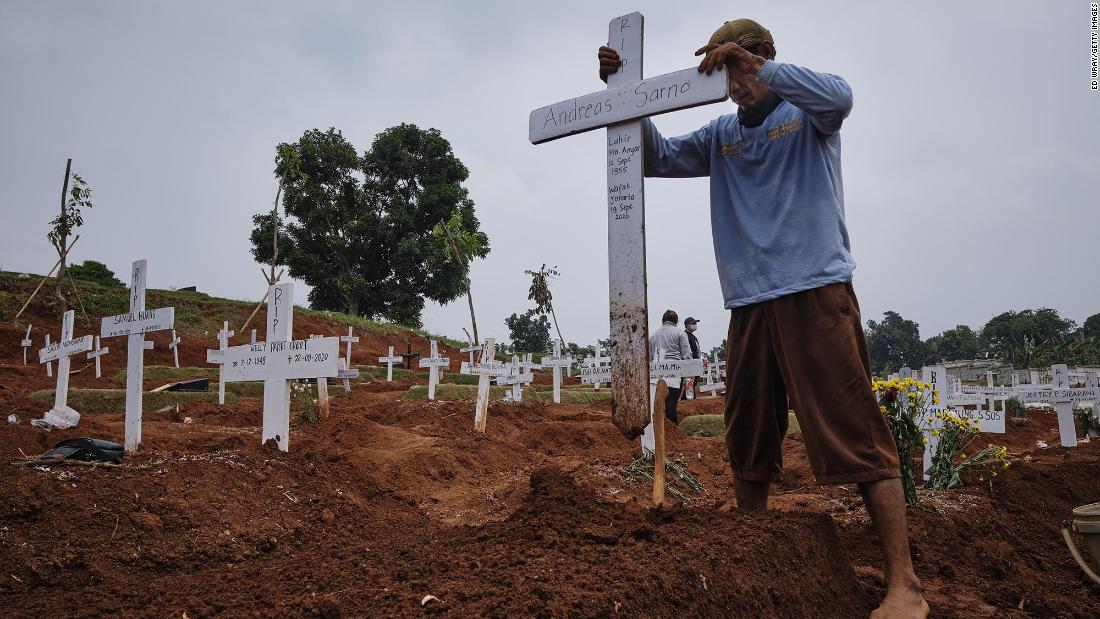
911	410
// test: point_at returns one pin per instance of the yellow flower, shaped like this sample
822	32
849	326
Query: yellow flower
926	441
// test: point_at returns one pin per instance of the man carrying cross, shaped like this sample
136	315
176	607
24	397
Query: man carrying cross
781	244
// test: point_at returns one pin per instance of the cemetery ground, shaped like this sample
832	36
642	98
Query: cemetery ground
390	500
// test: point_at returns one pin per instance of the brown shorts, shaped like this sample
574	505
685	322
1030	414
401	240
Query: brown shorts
808	347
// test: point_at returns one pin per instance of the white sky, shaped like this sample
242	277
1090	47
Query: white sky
970	158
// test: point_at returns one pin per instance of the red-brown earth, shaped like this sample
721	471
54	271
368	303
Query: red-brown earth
388	501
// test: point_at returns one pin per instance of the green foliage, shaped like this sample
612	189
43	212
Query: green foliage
540	290
719	352
456	392
1030	338
367	246
1015	408
97	272
114	400
954	344
169	373
1087	419
8	305
529	332
572	396
71	217
579	352
893	343
188	316
704	425
1091	326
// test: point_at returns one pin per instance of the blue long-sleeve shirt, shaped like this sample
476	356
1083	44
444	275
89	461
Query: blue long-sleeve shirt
776	194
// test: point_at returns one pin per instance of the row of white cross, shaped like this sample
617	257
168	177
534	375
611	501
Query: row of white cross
955	397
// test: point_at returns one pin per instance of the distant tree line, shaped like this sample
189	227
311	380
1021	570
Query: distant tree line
1028	338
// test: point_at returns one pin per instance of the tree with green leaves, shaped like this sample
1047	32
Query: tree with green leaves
540	293
895	342
73	200
462	245
1019	337
361	231
529	332
1091	326
954	344
96	272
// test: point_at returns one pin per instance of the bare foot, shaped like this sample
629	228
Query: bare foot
905	604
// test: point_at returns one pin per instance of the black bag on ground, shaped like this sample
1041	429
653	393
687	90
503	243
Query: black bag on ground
85	449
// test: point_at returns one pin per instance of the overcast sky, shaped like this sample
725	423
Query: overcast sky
970	159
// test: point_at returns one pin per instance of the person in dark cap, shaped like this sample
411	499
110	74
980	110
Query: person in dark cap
690	325
785	266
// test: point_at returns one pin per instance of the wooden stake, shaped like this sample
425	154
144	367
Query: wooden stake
47	276
659	443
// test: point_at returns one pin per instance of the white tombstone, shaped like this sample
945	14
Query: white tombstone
389	360
173	345
671	371
348	340
557	361
217	357
620	108
96	353
135	325
26	343
279	360
433	362
486	370
61	415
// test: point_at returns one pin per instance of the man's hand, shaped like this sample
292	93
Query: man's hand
609	61
728	54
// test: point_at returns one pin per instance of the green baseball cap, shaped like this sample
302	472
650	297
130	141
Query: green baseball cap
744	32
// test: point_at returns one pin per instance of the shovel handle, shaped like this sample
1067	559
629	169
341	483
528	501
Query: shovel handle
1077	556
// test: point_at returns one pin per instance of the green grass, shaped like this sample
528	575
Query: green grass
8	305
456	392
170	373
369	373
575	396
715	425
114	400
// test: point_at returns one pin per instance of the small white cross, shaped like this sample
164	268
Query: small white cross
96	354
348	340
174	346
26	343
389	360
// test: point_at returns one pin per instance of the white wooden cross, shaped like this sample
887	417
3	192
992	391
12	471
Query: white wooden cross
279	360
322	387
253	340
627	99
96	354
433	362
596	362
671	371
174	346
135	324
216	356
557	361
712	386
488	368
989	421
389	360
348	340
26	343
1063	396
49	364
346	374
516	378
472	348
61	416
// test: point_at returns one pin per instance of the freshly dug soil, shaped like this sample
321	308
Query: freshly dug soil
387	501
